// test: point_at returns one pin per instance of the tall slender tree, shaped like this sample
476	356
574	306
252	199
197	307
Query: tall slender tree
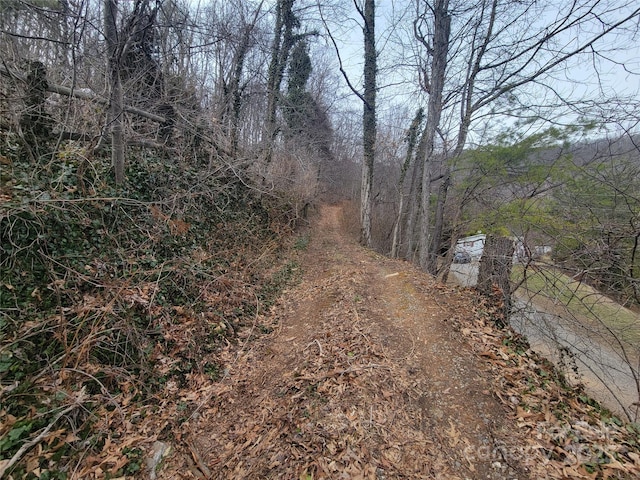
433	78
368	118
411	139
116	101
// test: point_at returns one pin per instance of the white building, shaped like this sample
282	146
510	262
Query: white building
473	245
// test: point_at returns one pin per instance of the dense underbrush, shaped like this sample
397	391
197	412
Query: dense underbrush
113	300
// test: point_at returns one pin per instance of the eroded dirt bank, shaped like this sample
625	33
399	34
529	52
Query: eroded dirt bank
374	371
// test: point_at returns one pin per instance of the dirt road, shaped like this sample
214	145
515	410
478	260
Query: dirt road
586	358
365	376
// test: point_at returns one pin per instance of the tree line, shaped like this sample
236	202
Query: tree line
271	88
222	81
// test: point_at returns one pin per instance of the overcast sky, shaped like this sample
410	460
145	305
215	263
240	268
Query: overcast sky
613	71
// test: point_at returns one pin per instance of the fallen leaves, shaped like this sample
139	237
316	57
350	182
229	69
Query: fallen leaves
325	396
336	413
568	436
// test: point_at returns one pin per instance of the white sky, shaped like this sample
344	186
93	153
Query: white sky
615	73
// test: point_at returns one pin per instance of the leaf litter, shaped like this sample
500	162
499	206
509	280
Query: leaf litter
374	371
368	369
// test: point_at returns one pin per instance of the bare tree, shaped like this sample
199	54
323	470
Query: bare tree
433	78
478	58
116	101
368	117
367	13
411	139
234	88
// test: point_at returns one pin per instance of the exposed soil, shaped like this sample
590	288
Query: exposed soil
372	371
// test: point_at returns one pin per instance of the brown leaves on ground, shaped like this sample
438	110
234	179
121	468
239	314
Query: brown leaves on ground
371	371
333	411
374	371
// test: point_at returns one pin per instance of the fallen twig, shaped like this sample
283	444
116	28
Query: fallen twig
26	446
317	342
199	463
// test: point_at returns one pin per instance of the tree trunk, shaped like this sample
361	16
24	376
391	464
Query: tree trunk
435	87
84	95
283	41
35	123
368	120
116	103
117	130
495	271
412	135
424	216
443	272
415	192
235	90
438	223
396	226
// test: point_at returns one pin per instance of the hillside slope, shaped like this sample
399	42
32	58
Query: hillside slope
373	370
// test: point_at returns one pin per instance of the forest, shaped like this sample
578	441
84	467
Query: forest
160	161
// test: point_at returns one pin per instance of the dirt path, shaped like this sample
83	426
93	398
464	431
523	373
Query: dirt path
365	376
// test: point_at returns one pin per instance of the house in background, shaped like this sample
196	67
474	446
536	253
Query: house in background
473	245
524	253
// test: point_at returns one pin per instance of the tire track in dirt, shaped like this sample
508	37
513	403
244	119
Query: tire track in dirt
413	317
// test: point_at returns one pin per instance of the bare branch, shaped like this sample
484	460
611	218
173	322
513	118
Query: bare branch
337	50
82	94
